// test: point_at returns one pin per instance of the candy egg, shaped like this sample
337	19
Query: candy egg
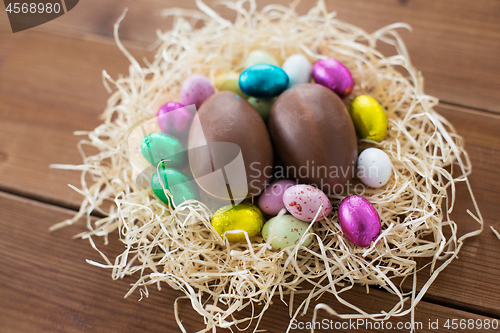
285	231
304	201
369	118
174	119
229	82
263	81
262	105
159	146
178	183
359	220
260	57
334	75
195	90
374	167
271	200
311	131
243	216
298	68
226	118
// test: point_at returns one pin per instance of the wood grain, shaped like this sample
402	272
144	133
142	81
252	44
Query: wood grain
45	98
454	43
57	291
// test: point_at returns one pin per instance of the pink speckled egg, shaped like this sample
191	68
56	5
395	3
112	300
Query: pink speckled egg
359	220
271	199
174	119
195	90
304	201
332	74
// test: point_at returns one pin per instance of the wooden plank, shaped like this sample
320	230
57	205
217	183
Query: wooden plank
470	281
45	99
48	287
454	42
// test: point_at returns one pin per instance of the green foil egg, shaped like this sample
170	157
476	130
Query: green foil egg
179	184
262	105
369	118
242	216
286	231
159	146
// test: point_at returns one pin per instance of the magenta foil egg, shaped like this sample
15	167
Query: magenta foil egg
332	74
174	119
359	220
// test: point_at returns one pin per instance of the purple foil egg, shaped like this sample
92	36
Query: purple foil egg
332	74
195	90
359	220
271	199
174	119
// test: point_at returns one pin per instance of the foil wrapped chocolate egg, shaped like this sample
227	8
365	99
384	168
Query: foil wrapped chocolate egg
359	220
313	136
334	75
230	152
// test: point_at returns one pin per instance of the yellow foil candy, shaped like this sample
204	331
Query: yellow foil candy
229	81
243	216
369	118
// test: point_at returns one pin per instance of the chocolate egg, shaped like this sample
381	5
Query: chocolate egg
313	136
229	144
359	220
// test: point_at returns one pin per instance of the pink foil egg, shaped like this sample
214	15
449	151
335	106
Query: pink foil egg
332	74
271	199
304	201
174	119
195	90
359	220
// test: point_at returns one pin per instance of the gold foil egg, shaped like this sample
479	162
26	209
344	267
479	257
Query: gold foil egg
243	216
229	81
369	118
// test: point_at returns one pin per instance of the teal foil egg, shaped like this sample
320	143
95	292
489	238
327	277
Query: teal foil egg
263	81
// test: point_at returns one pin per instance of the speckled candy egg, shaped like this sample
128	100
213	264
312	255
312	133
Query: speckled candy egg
374	167
263	81
284	231
174	119
334	75
271	200
359	220
298	68
369	118
195	90
243	216
304	201
260	57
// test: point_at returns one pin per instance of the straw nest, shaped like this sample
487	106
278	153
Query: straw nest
220	278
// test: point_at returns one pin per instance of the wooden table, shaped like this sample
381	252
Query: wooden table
50	86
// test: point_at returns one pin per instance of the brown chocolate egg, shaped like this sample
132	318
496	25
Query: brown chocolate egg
230	151
314	137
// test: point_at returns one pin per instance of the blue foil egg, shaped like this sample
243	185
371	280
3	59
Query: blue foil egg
263	81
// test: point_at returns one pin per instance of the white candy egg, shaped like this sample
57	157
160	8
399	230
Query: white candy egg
374	167
298	68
